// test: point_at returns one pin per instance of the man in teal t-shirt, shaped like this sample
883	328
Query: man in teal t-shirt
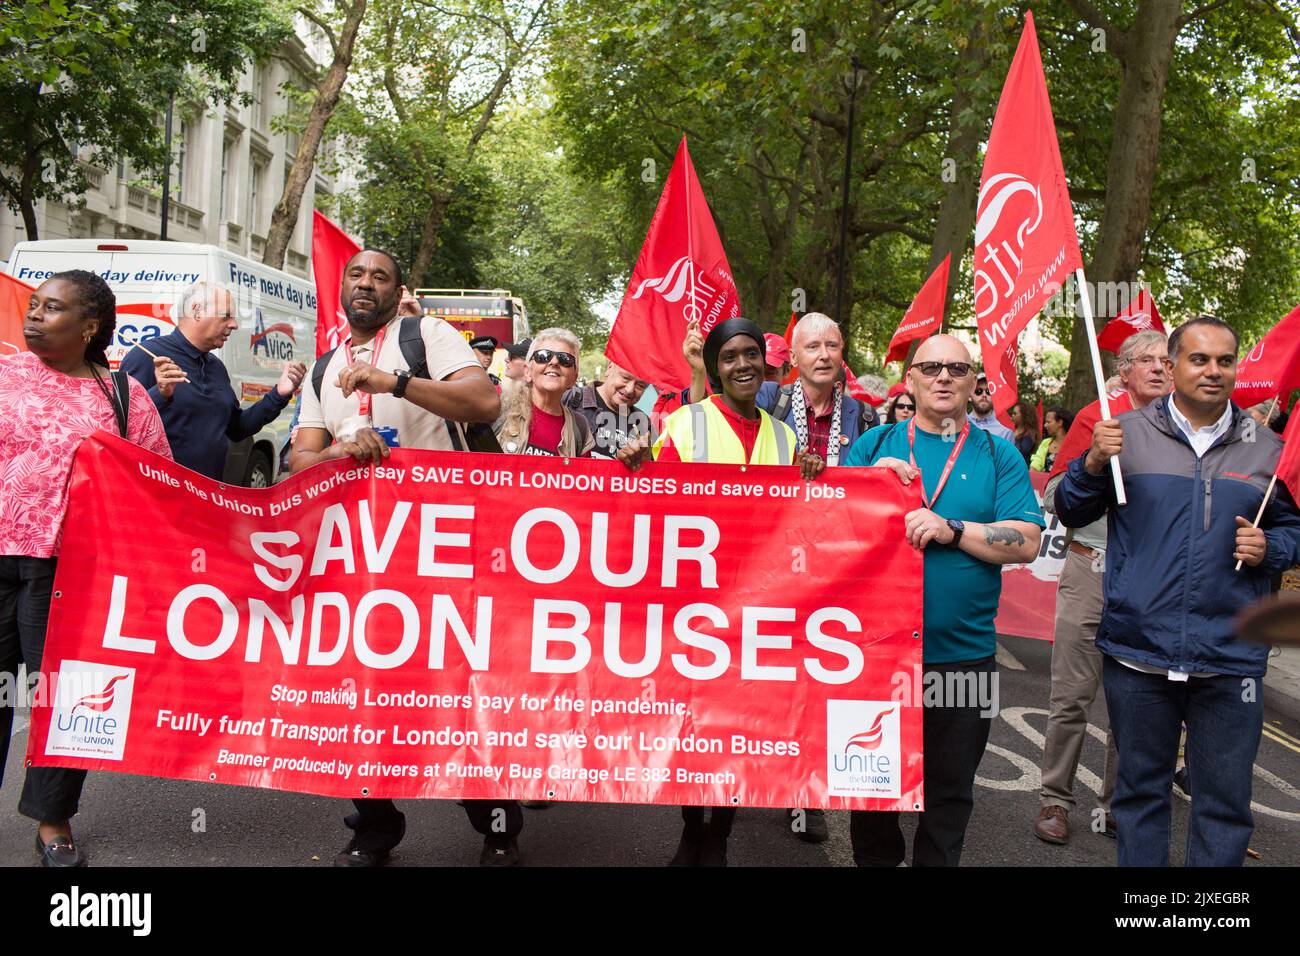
980	513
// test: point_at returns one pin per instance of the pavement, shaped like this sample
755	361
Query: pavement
141	821
1282	682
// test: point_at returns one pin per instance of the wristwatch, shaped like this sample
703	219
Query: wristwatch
403	379
957	528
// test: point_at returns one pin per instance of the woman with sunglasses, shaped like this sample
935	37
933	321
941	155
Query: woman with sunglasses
901	409
534	420
53	397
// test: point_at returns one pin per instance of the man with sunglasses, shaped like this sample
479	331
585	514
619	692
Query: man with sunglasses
979	513
983	415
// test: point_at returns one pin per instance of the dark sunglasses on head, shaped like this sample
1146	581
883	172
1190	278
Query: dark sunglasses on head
932	369
544	356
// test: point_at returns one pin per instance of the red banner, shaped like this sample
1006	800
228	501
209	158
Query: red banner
456	625
331	248
1025	242
1028	607
924	316
681	275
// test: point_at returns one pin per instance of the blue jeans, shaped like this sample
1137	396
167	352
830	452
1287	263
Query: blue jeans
1224	717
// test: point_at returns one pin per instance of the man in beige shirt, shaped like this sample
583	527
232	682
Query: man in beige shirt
370	398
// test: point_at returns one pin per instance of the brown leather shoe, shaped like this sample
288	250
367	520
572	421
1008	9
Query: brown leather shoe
1052	825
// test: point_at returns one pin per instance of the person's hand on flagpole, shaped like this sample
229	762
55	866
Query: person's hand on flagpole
1107	443
1252	545
168	375
693	352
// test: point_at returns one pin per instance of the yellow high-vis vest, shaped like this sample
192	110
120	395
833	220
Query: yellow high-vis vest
701	433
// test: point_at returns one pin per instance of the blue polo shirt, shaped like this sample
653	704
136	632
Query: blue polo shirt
203	415
989	482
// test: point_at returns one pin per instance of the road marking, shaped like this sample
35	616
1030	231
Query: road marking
1007	659
1268	732
1278	730
1029	779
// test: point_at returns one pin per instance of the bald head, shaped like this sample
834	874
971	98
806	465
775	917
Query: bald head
941	379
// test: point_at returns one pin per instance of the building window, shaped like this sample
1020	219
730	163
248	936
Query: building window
255	197
222	205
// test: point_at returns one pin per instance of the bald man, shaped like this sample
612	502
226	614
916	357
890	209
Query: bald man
191	387
979	513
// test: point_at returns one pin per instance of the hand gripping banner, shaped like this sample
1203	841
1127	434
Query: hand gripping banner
482	626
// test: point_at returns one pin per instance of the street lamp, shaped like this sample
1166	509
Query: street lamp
844	195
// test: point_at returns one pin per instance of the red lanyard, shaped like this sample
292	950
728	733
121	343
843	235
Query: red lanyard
947	469
363	398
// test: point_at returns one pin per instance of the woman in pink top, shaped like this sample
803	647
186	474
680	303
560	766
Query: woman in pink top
53	397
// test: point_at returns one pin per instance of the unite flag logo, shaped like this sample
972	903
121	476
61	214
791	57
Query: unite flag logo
1025	242
91	711
870	738
863	763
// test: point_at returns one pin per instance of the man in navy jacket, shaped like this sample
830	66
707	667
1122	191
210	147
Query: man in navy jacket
1195	471
191	387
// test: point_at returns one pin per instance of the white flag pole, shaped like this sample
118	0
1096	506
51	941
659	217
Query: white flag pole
1100	376
1259	515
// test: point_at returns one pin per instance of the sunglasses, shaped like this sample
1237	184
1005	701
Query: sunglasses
981	390
932	369
544	356
900	407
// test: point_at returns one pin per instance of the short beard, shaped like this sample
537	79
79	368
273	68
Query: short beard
370	319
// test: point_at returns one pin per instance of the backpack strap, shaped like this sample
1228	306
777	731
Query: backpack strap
889	429
318	370
784	398
412	344
121	400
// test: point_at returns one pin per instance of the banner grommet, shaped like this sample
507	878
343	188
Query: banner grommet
58	594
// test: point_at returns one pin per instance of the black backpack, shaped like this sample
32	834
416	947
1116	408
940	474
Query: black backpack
477	436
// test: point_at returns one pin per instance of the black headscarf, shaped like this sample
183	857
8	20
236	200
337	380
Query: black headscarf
719	335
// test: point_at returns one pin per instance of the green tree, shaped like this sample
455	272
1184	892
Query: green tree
99	75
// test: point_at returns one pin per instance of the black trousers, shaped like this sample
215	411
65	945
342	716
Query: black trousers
50	794
954	739
381	826
720	821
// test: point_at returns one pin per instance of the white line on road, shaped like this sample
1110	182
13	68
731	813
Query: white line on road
1007	659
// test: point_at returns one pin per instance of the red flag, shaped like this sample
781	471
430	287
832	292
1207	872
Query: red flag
14	297
1272	367
681	274
331	248
857	391
1141	315
924	316
1288	465
789	329
1040	418
1025	243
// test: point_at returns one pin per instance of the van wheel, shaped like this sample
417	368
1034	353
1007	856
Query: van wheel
260	473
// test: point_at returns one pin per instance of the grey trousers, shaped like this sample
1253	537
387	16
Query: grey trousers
1076	678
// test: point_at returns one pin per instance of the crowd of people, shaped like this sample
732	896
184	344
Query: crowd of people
1146	599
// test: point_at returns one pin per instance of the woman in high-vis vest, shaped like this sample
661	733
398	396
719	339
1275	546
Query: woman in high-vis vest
727	428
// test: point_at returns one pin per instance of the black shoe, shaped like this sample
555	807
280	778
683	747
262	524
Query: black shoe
499	851
814	828
361	852
1182	780
713	850
535	804
60	852
688	850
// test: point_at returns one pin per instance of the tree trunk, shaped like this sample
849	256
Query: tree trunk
285	216
429	238
1148	50
27	206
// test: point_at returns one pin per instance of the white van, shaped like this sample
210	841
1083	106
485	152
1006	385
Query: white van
277	317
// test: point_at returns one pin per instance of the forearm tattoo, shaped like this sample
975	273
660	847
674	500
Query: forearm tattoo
1008	536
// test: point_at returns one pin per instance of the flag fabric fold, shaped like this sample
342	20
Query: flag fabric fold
681	275
924	316
1272	367
1140	315
14	296
1025	241
331	248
